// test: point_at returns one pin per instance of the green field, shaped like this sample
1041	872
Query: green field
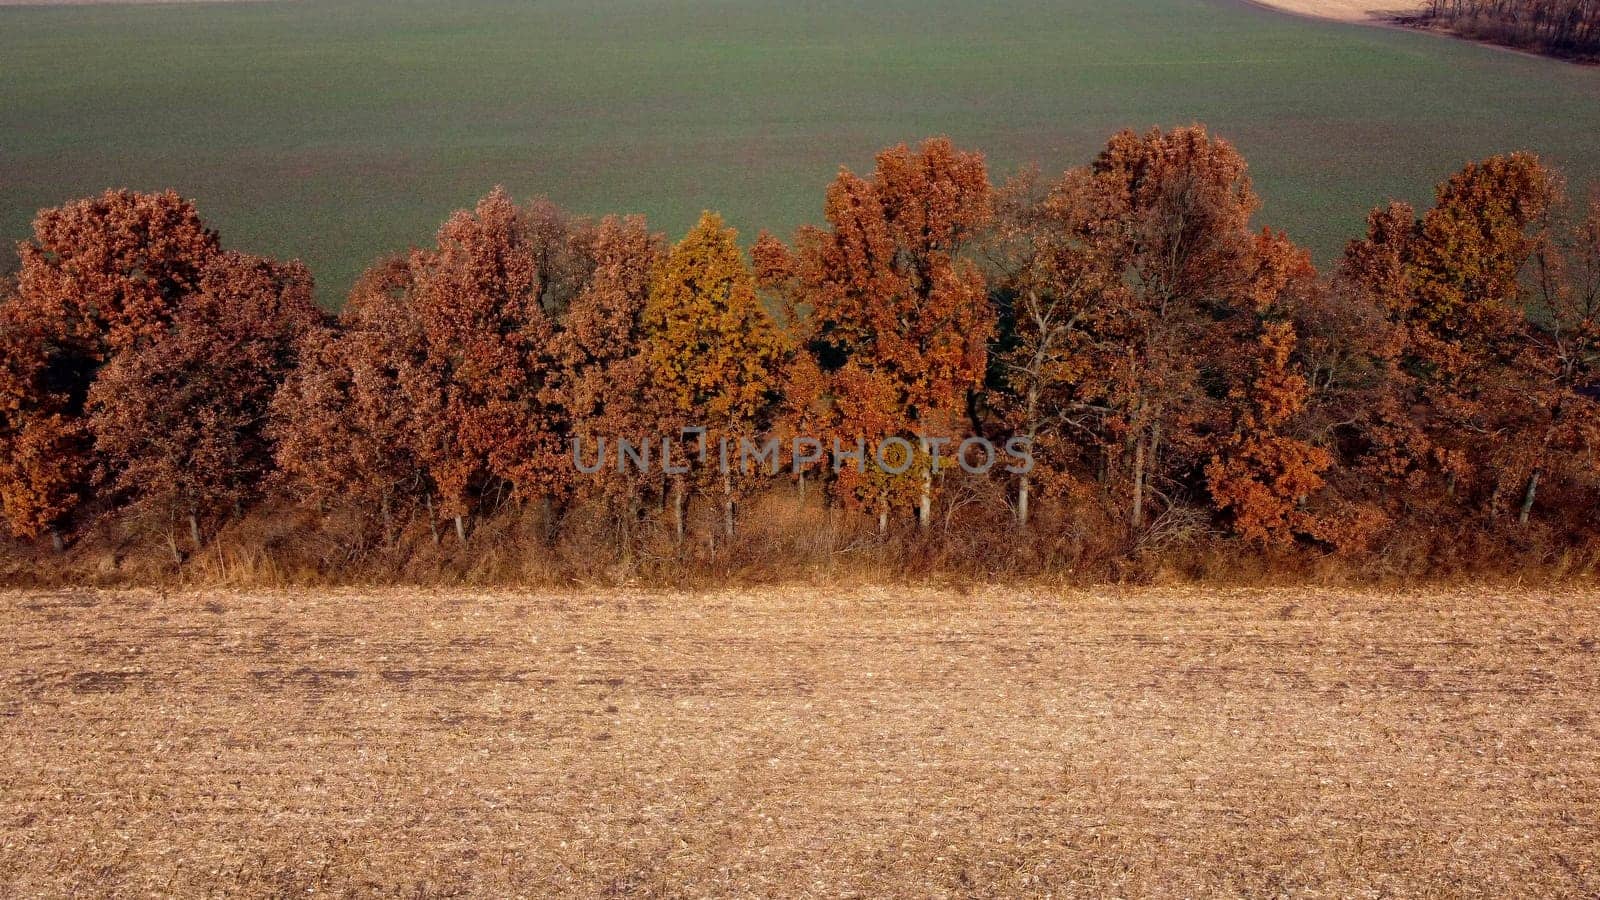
336	130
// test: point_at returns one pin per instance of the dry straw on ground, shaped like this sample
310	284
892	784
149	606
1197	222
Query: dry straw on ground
856	742
1347	10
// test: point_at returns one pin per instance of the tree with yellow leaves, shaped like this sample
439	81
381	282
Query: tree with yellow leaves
715	354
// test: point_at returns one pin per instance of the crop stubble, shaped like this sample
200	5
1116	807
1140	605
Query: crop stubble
1169	741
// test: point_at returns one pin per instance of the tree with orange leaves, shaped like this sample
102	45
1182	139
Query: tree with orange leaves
100	278
900	321
1261	477
485	383
1056	280
179	420
1177	208
606	364
1130	283
1568	295
715	354
342	427
1476	387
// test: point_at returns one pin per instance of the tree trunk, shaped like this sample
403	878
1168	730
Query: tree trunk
1527	498
56	543
677	510
883	512
547	520
194	529
1025	483
386	517
630	512
1136	515
727	502
461	529
433	521
1152	459
925	502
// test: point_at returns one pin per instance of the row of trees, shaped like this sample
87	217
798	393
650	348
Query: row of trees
1560	27
1167	361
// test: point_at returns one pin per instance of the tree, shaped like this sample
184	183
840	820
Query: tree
1135	276
1261	477
485	382
606	361
804	418
100	278
1565	333
44	447
714	350
1178	207
1056	278
1147	330
1476	387
341	423
1568	301
180	420
901	322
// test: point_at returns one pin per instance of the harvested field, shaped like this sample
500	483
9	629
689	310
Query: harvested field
865	742
1345	10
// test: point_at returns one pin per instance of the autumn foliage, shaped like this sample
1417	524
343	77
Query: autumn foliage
99	283
182	422
1187	382
897	320
714	355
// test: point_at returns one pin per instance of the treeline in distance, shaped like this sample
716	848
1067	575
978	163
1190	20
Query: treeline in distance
1568	28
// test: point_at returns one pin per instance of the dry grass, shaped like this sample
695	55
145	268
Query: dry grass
866	742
